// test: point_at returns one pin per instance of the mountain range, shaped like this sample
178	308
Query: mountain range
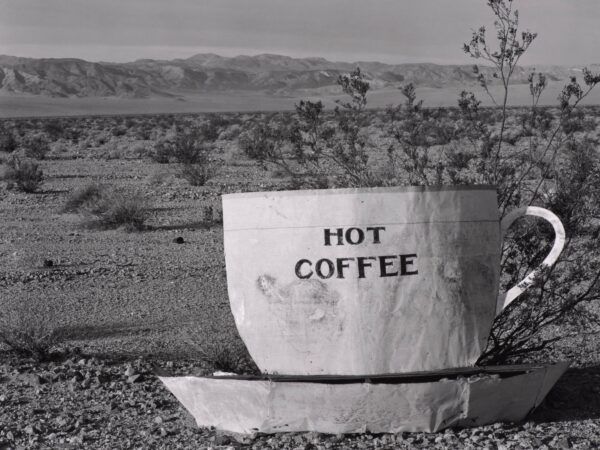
272	74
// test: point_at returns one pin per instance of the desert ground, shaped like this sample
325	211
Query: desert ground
125	304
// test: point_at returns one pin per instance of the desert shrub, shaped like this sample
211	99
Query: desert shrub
85	198
8	143
101	140
193	154
197	174
557	169
212	215
54	128
73	133
106	208
230	133
28	329
23	174
225	358
128	209
232	357
212	127
37	146
144	133
161	152
119	131
537	158
314	150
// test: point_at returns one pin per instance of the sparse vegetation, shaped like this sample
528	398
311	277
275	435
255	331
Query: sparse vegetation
212	215
86	198
8	143
37	147
29	328
123	209
541	159
23	174
107	208
192	150
228	357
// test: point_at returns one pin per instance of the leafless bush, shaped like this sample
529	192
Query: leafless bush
37	147
29	329
8	143
315	151
192	150
23	174
232	357
103	207
539	159
85	198
161	152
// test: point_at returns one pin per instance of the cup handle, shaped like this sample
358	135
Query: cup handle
559	242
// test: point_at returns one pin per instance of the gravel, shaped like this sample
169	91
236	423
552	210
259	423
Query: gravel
127	304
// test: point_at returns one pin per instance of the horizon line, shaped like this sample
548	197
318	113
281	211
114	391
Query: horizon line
248	55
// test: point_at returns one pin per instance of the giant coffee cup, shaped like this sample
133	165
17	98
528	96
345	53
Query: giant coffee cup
368	281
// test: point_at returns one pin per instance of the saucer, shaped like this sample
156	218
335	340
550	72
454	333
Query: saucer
390	403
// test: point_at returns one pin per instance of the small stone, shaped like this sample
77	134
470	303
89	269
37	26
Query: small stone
178	240
163	432
222	440
76	378
129	372
32	379
134	378
29	429
61	421
10	436
535	442
158	420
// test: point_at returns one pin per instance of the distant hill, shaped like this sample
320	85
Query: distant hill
209	73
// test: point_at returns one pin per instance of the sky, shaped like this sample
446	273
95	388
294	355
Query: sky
391	31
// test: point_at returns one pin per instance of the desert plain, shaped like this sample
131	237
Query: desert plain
127	304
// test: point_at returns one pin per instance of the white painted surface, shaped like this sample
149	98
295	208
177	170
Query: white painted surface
249	406
365	322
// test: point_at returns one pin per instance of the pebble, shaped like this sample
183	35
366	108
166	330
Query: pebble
134	378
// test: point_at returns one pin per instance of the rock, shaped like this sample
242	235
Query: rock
48	263
77	377
178	240
134	378
158	420
222	440
563	443
130	371
29	429
32	379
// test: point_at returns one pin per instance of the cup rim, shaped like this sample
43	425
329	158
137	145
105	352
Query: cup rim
363	190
